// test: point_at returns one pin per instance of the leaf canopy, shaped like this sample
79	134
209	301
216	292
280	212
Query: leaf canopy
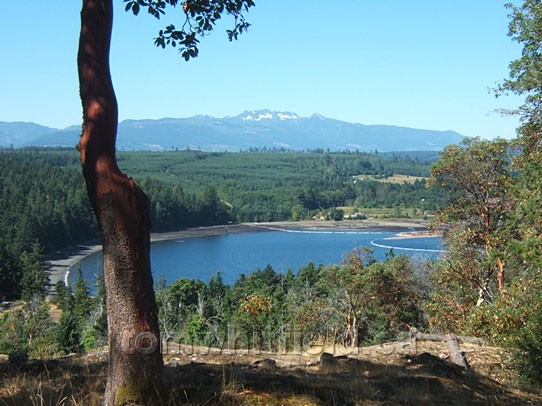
200	18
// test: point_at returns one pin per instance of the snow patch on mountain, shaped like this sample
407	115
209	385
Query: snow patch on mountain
287	116
258	117
268	115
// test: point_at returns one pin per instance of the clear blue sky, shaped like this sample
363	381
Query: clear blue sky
423	64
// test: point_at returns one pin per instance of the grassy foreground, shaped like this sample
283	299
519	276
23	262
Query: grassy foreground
379	375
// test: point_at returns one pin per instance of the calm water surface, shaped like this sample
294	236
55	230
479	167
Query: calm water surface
244	253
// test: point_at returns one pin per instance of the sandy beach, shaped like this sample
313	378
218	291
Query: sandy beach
62	262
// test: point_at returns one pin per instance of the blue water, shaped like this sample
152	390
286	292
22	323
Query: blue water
233	254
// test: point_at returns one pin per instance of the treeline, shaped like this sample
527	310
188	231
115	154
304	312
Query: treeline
349	304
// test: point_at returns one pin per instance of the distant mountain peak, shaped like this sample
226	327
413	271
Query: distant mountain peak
259	115
255	128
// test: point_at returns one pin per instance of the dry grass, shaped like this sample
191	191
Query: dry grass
388	213
53	382
370	377
396	178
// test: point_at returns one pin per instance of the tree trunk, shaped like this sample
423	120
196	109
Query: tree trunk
456	355
122	210
500	274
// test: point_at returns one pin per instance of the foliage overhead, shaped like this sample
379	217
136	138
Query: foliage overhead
200	17
526	71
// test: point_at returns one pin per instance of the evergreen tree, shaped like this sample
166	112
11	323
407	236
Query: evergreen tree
82	302
35	280
38	327
67	333
62	296
10	275
94	325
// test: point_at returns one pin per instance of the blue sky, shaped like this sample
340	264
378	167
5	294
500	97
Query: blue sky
422	64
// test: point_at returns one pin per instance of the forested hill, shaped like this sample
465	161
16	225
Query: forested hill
43	199
255	129
275	185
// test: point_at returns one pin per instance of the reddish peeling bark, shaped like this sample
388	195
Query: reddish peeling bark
122	210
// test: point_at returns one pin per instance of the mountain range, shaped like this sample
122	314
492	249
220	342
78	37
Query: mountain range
251	129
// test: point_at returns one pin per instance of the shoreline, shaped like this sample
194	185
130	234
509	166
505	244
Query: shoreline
62	262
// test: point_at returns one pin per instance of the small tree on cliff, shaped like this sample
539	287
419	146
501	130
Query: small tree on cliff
121	208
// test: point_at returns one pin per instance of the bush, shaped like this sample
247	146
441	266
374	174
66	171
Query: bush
528	352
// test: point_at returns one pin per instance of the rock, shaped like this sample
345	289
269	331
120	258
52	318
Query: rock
267	364
17	360
328	363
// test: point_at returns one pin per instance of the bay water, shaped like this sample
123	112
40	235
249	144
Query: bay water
234	254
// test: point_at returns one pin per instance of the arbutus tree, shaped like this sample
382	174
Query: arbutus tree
477	176
135	373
